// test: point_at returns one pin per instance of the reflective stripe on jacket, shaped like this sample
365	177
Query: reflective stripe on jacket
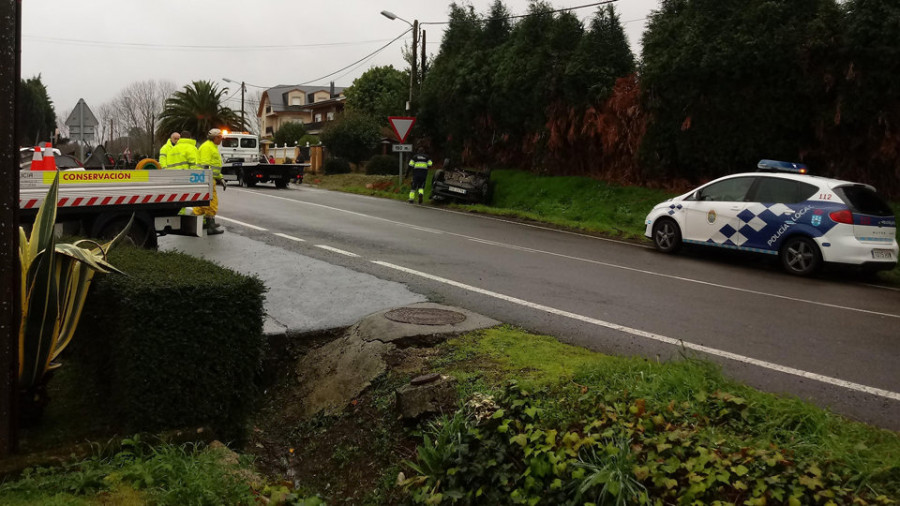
210	158
183	155
420	161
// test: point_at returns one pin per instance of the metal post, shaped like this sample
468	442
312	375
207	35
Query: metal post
243	125
10	312
400	172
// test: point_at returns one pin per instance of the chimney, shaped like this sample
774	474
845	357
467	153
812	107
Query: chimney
332	89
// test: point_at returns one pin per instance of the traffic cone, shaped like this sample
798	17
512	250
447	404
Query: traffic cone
49	159
37	161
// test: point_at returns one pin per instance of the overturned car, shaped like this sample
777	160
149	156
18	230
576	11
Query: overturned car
462	185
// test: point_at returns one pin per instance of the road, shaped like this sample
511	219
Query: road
832	340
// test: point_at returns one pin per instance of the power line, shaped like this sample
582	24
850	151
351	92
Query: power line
517	16
368	56
151	46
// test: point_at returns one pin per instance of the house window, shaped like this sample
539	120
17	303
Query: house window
295	101
268	109
318	118
330	116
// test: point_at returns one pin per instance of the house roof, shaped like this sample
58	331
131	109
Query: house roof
278	95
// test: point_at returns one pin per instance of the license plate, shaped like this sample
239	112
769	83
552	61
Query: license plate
275	176
456	190
237	164
882	254
229	177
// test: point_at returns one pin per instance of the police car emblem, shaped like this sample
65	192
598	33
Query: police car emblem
816	220
711	216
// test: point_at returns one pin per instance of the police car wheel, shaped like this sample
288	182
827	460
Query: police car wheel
666	236
800	256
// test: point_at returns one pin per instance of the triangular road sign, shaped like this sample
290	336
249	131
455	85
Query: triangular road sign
402	126
81	115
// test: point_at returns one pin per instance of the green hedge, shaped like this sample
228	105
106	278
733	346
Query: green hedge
336	166
178	341
382	165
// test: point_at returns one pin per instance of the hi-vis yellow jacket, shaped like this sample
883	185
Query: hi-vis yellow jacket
211	159
183	155
164	152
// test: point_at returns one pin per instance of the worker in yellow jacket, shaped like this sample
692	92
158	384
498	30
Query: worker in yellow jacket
211	159
164	150
184	154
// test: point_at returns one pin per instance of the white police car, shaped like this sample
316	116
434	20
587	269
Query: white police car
780	210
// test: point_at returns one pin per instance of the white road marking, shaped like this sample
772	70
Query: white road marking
290	237
597	262
656	337
254	227
335	250
399	223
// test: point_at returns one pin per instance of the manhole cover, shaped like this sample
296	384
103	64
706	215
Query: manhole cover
424	316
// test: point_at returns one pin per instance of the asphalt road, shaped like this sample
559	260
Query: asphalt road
833	339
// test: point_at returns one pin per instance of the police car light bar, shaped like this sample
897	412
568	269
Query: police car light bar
777	166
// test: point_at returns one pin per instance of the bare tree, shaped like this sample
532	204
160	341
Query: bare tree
61	123
251	111
137	108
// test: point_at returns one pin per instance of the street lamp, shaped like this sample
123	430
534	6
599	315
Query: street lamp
415	29
243	88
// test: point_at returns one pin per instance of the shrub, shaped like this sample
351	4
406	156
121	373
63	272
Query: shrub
626	450
336	166
179	340
382	165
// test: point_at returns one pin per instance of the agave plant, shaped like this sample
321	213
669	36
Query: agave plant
55	282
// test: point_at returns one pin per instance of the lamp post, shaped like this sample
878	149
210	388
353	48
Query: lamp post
415	29
243	88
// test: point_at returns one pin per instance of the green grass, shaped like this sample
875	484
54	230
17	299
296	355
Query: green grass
486	360
137	474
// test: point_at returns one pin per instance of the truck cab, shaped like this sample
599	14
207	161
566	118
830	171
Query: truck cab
238	150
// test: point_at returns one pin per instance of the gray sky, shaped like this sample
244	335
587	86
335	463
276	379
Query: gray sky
92	50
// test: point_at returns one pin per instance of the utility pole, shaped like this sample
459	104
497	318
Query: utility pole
412	74
10	310
423	58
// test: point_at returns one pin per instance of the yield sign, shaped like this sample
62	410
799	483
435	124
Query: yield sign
402	126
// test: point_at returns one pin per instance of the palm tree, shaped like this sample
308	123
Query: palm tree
197	109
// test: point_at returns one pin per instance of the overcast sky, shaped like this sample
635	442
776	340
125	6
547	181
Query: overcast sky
92	50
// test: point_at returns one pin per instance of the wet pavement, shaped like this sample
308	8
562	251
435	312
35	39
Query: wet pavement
304	294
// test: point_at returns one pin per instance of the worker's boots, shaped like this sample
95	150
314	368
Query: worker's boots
213	228
421	196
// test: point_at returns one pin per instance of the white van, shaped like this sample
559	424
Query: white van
238	149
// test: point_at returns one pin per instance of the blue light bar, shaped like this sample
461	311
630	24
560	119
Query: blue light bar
777	166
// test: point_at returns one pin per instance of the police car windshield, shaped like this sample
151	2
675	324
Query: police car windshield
863	200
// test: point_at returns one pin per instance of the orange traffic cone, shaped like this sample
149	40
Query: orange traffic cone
37	161
49	159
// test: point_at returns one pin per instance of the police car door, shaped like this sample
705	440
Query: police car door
711	214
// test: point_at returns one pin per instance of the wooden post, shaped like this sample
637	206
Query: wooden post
10	312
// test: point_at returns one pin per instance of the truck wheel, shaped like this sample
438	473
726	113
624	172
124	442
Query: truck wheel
249	181
139	234
281	183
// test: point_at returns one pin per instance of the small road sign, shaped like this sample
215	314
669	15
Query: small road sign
402	126
402	148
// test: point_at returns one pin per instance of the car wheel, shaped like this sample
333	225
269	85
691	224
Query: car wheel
800	256
666	236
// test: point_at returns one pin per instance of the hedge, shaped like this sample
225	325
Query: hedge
177	341
382	165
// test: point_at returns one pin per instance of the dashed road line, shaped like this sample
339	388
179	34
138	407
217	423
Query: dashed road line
254	227
290	237
335	250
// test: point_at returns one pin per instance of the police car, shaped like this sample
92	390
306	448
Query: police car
781	210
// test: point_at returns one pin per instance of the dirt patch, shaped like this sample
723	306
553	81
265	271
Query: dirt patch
349	458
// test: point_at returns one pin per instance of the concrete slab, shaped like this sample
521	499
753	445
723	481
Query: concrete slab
304	294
